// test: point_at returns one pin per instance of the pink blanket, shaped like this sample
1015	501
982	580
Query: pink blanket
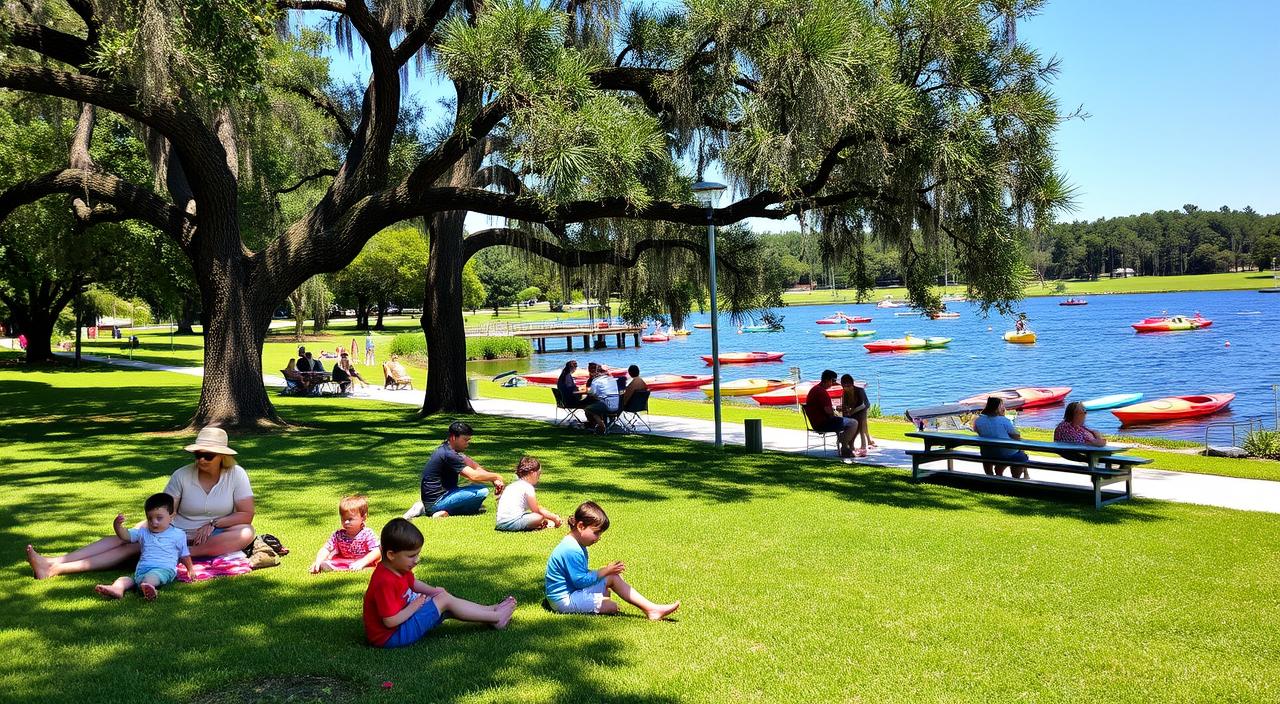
221	566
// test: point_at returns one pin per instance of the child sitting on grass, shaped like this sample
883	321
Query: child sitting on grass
399	610
573	588
163	547
518	508
353	546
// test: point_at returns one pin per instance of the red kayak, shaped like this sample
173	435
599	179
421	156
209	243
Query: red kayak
655	338
841	318
1172	323
672	382
857	319
787	394
580	376
745	357
1172	408
1024	397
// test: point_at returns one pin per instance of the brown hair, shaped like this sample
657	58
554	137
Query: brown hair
993	406
355	502
400	535
590	514
527	465
1071	410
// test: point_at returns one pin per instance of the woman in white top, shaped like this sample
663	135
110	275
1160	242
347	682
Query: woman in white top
214	506
518	508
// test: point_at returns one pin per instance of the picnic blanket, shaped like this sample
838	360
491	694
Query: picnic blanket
232	563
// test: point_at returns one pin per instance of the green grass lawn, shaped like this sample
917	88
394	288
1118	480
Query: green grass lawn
1137	284
801	580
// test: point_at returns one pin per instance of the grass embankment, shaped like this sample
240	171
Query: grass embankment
896	429
1134	284
801	580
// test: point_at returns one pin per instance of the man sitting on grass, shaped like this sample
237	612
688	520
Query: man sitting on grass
441	495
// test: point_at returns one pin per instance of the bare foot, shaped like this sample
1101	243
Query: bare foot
39	564
505	610
662	611
440	514
109	592
149	592
327	566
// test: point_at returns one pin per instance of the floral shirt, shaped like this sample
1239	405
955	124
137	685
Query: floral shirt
353	548
1073	434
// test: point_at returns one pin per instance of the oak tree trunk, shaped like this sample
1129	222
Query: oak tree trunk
37	325
442	320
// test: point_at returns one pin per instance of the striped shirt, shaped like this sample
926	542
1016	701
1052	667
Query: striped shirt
352	547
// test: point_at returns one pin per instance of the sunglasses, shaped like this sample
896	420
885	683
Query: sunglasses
206	456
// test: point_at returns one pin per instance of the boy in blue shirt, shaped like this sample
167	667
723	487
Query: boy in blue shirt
163	547
573	588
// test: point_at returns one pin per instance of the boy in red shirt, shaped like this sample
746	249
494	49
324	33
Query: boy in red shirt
399	610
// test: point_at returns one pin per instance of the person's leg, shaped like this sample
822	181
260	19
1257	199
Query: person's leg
116	589
417	509
148	586
627	593
463	501
100	555
849	433
226	540
988	468
496	615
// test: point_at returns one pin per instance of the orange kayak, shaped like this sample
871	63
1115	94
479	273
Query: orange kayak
1172	408
671	382
1024	397
787	394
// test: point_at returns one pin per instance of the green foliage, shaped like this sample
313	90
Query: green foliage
408	344
502	274
498	348
474	293
392	268
1262	443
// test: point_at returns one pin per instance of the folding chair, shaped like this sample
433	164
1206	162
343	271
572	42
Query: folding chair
570	412
628	417
809	432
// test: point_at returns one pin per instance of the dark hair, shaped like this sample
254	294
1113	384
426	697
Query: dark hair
590	514
828	375
846	379
400	535
570	363
301	349
633	370
1071	410
527	465
161	500
457	429
993	406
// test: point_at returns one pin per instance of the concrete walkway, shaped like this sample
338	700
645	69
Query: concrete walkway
1183	487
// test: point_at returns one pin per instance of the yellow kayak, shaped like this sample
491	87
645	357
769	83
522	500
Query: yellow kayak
680	333
744	387
1020	338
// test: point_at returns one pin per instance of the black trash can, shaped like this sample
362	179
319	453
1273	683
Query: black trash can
755	434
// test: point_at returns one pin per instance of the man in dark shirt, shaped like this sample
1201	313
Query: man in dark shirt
314	364
822	414
304	365
440	494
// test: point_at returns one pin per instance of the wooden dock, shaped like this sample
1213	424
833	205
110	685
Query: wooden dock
539	337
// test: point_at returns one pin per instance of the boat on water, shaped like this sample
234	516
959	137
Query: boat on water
655	338
891	303
944	315
1173	408
745	387
787	395
757	328
1102	403
702	326
848	332
906	314
953	298
1026	337
674	382
1172	323
580	376
1074	302
910	342
1024	396
838	318
680	333
745	357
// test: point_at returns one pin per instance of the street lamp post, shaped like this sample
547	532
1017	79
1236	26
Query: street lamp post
708	193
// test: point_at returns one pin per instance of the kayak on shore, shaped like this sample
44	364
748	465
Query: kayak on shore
1173	408
580	376
1024	396
672	382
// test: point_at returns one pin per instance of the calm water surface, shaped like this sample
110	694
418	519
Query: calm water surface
1089	348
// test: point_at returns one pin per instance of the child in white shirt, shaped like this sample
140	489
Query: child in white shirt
518	508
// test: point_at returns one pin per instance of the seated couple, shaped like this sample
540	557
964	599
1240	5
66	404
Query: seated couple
852	424
603	397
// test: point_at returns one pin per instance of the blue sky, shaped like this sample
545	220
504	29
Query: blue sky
1183	101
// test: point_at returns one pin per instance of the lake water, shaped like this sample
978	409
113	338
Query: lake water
1089	348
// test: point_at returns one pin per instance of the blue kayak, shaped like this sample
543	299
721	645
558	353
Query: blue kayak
1112	401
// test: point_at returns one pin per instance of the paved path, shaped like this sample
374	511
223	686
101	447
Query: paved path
1183	487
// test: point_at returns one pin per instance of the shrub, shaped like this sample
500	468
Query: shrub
497	347
409	344
1262	443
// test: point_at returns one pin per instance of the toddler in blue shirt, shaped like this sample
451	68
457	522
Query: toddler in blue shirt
163	547
573	588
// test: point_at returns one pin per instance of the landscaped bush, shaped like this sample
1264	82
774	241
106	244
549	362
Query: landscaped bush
1262	443
498	347
409	344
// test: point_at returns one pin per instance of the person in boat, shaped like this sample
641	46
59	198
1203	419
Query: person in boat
855	404
570	397
822	414
1072	430
636	384
1021	325
993	423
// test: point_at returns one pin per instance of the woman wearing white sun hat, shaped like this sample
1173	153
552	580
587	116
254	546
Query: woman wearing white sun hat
214	506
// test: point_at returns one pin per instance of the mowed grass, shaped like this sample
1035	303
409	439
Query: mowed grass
1134	284
801	580
896	429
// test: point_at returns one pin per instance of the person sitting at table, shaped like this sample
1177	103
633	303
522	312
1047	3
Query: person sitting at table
298	380
567	385
993	423
636	384
1072	430
303	365
822	414
341	378
313	364
350	369
602	397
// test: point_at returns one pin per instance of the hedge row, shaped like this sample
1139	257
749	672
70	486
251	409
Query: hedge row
414	346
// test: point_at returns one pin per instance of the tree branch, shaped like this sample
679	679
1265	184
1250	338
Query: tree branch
325	104
51	43
453	148
420	33
308	179
325	5
564	256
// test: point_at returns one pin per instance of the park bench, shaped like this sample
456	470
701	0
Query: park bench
1103	465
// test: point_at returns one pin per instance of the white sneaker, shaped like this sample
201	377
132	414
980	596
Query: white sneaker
417	509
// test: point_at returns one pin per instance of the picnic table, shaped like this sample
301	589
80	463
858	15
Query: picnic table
1104	465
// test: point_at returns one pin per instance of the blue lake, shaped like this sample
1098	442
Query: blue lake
1089	348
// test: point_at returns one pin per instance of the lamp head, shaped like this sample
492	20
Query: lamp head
708	192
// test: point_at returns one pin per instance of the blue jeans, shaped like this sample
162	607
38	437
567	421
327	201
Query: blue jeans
463	501
411	631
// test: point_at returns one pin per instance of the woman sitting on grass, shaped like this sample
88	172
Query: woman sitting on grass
214	508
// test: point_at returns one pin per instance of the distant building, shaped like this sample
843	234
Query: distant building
1123	273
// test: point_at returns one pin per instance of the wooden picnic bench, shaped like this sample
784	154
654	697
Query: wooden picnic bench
1103	465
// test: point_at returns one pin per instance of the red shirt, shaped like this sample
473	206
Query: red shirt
387	595
818	406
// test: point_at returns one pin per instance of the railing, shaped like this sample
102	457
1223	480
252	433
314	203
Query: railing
1239	429
507	329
